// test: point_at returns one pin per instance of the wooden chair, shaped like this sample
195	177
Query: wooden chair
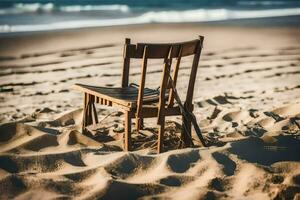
140	102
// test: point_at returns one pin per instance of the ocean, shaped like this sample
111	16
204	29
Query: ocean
43	15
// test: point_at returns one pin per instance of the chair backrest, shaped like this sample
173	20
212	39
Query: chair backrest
166	51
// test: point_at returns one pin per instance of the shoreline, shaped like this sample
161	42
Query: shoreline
16	45
271	22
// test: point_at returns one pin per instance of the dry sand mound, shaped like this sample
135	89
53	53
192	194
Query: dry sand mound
52	157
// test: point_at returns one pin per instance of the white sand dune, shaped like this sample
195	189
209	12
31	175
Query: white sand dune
247	97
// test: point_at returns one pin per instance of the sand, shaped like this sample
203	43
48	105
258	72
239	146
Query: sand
247	97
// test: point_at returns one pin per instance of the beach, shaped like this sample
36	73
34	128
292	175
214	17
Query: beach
247	96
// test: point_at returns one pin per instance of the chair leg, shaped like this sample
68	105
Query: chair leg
186	132
94	111
142	124
127	142
139	124
85	112
89	111
161	130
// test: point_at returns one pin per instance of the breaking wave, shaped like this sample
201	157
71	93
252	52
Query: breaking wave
20	8
168	16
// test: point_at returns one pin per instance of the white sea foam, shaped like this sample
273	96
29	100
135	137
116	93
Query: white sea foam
261	3
199	15
34	7
203	15
79	8
20	8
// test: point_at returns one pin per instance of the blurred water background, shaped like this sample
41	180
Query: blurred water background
43	15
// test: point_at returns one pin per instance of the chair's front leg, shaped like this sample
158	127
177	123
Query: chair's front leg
85	115
93	110
127	142
89	111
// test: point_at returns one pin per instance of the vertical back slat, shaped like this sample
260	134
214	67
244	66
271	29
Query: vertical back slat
141	88
126	64
163	86
174	77
162	104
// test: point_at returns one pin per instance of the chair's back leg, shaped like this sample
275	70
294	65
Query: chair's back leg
161	130
126	64
139	124
142	124
127	137
186	130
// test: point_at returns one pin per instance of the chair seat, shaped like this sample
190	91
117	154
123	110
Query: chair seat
125	96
